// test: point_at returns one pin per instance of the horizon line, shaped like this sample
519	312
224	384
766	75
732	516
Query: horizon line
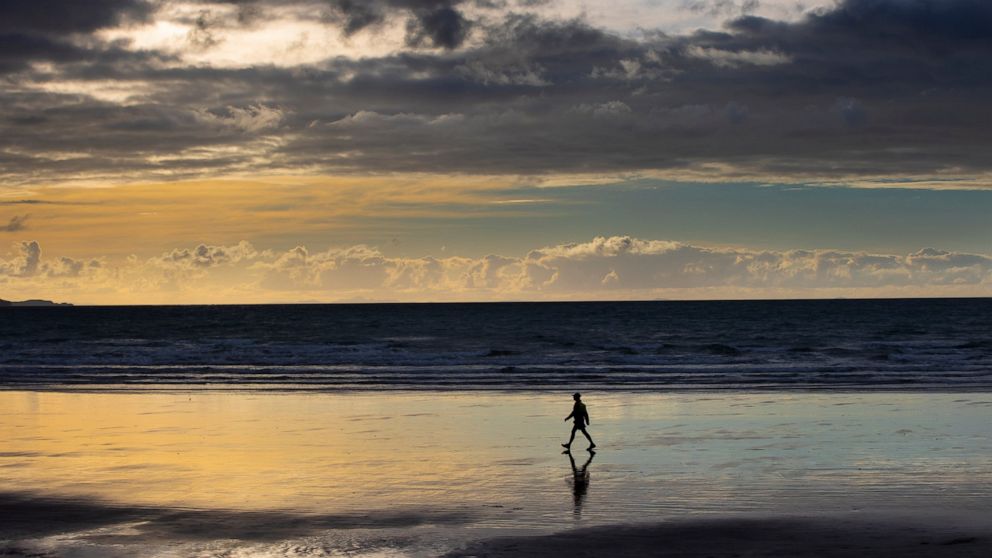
465	302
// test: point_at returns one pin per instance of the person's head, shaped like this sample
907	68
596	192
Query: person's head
576	396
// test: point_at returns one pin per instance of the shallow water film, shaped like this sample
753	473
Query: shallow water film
227	473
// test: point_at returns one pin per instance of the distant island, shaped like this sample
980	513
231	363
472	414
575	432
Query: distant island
31	302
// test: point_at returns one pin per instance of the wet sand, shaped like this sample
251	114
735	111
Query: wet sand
201	473
752	537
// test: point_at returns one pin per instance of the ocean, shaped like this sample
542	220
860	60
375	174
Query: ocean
892	344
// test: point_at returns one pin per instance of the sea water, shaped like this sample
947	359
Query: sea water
921	344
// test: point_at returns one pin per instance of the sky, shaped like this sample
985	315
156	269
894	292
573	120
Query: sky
249	151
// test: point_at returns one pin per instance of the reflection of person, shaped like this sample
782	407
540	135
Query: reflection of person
581	418
580	480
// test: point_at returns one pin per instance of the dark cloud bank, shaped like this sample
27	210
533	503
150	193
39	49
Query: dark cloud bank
870	87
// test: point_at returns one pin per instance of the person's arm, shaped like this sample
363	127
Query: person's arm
572	414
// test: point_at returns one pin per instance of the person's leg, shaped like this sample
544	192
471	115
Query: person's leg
588	437
572	437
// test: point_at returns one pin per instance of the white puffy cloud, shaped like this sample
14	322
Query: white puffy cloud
64	267
24	263
204	256
27	264
602	268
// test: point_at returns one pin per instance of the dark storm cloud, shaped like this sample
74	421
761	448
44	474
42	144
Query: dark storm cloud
17	50
859	90
357	15
435	23
870	87
429	23
69	16
59	31
443	26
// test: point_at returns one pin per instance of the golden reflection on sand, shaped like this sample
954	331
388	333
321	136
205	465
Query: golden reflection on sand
210	449
497	454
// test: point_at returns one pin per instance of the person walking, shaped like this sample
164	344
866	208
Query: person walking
581	419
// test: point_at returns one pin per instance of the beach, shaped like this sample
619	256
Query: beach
289	473
347	278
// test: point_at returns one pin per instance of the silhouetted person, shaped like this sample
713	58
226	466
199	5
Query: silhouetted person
581	418
580	480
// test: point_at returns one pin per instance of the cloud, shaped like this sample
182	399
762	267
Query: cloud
204	256
25	262
253	118
60	31
615	267
357	14
721	7
202	36
15	224
67	267
851	111
501	73
430	23
732	59
28	265
28	202
439	26
69	16
862	89
610	109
